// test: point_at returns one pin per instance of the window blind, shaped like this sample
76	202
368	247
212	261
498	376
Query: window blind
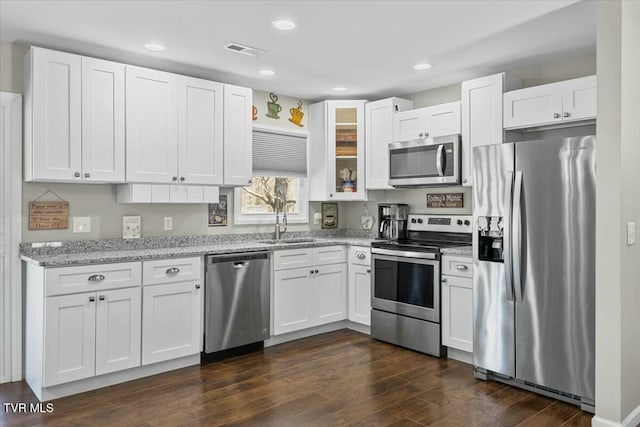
278	153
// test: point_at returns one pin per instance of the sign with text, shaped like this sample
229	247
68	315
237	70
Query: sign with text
48	215
445	200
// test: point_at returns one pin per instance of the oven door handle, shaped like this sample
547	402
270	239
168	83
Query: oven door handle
404	254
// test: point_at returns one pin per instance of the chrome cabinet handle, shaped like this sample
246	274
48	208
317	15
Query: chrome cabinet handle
444	280
173	270
310	271
96	278
92	299
182	178
249	181
420	134
174	178
566	115
461	267
87	175
197	285
556	115
361	255
101	297
368	270
77	174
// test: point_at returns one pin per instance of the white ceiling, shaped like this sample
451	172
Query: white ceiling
369	47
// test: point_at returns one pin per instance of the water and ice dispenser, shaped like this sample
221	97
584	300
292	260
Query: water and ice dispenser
490	234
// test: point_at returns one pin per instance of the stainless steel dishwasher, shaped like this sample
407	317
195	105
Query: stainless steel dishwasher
237	297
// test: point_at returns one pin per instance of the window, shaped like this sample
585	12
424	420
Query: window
256	204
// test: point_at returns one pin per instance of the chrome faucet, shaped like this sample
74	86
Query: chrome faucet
284	216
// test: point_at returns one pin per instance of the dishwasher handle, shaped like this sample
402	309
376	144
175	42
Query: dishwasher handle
240	264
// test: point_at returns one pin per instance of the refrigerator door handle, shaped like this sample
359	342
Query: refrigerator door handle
507	243
439	160
517	237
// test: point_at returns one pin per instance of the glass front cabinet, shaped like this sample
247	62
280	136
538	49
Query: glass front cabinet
336	151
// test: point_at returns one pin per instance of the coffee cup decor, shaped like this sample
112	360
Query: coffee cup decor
254	115
273	108
296	115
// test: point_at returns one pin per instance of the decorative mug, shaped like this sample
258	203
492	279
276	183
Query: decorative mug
254	113
296	114
273	107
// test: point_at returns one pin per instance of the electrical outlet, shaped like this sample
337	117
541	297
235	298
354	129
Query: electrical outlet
168	223
631	233
81	224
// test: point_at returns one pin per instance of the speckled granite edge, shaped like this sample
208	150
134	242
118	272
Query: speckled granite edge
460	250
101	253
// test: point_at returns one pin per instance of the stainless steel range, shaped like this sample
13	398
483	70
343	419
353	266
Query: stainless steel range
405	295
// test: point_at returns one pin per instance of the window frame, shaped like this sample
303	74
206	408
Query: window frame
302	217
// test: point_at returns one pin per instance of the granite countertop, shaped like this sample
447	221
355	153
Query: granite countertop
61	257
458	250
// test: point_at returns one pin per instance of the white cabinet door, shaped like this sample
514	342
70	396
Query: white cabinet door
481	118
412	124
151	126
69	338
55	135
360	294
171	325
457	313
532	106
379	116
331	293
118	329
579	99
238	138
200	137
324	255
102	121
293	300
444	119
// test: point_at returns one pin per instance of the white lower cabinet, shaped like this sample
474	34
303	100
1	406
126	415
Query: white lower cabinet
457	303
170	321
359	297
309	296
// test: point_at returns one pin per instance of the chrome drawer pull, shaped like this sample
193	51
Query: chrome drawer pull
96	278
361	255
462	267
173	270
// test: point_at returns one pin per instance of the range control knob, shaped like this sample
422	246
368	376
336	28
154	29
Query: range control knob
467	222
459	222
419	220
413	221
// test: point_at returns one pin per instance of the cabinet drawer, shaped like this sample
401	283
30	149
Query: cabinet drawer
292	258
171	270
457	266
88	278
329	255
360	255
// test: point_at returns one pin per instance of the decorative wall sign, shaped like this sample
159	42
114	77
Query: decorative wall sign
273	108
131	226
218	212
48	215
329	215
254	114
445	200
296	115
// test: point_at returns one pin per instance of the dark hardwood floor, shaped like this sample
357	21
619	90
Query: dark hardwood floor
339	378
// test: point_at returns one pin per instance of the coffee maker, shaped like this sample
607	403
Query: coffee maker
392	221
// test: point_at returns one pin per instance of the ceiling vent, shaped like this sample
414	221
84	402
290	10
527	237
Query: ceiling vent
245	50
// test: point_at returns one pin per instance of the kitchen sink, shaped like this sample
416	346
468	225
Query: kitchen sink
287	241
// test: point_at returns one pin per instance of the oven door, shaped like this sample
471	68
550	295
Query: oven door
425	162
407	285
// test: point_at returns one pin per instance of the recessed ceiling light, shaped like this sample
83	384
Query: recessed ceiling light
422	66
284	24
156	47
339	89
267	73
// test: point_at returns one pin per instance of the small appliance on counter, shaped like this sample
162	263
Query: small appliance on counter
393	221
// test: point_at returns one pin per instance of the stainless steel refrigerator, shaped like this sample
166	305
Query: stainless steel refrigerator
534	266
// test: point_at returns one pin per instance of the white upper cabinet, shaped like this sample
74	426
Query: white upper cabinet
238	137
103	142
336	151
555	103
53	138
427	122
152	125
481	118
200	132
378	134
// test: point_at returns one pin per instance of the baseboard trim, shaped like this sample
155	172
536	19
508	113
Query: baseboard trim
316	330
632	420
460	355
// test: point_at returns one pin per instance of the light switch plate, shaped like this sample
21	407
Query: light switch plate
168	223
631	233
81	224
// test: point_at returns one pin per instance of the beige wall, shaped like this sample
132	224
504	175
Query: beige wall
618	202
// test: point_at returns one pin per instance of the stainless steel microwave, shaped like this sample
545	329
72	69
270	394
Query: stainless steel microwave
430	161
